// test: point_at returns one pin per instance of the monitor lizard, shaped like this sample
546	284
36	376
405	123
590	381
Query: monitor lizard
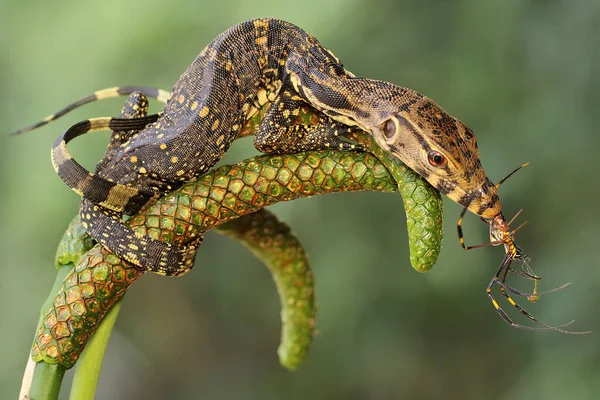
273	65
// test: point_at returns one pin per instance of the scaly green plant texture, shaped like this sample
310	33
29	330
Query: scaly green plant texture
521	74
234	195
101	278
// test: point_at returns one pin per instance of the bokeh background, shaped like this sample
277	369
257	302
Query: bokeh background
522	74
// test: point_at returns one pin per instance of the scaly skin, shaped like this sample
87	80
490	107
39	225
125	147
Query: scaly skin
220	196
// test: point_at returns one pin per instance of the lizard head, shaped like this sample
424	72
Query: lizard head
438	147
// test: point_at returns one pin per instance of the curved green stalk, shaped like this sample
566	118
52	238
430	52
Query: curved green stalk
272	242
268	238
228	192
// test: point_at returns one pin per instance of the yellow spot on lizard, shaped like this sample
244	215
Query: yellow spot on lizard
261	41
262	97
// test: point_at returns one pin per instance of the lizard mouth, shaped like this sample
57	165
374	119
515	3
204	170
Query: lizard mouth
481	202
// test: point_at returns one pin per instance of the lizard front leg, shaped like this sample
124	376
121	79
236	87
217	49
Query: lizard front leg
136	106
288	127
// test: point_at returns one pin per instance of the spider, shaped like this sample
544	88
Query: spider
500	234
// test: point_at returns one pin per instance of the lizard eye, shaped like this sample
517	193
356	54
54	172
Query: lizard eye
389	129
436	159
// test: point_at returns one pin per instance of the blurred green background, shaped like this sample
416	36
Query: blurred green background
522	74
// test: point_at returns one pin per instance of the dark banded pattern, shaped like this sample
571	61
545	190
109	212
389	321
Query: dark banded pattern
114	196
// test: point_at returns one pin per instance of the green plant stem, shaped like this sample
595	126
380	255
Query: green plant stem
87	371
45	382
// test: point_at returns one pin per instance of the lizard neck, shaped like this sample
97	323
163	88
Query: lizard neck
360	102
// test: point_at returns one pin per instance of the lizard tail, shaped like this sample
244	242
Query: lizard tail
114	196
154	93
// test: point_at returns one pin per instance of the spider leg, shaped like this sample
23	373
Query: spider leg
461	236
527	275
512	234
509	321
537	321
504	267
515	217
535	293
509	175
